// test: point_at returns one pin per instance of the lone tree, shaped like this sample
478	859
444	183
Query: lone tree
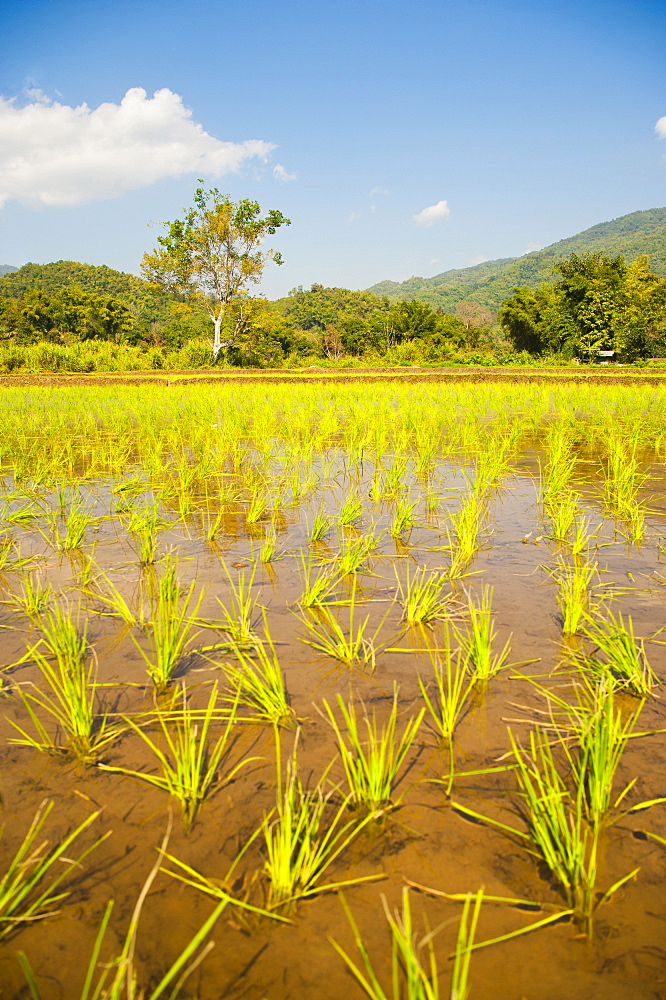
213	253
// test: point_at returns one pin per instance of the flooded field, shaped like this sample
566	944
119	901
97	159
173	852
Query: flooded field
362	683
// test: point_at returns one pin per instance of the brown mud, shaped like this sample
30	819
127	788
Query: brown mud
408	376
425	840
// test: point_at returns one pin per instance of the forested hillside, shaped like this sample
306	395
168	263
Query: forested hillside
491	282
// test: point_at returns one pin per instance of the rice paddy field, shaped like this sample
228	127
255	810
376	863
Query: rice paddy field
328	690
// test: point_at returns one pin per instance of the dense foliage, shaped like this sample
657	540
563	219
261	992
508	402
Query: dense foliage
598	303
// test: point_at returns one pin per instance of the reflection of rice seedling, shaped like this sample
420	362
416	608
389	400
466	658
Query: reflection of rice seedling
404	517
625	660
144	525
28	889
11	559
372	762
172	626
258	682
454	682
421	597
301	845
117	978
320	527
477	643
191	761
392	481
414	975
71	701
351	510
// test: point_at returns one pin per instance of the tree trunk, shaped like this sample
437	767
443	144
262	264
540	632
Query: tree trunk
217	340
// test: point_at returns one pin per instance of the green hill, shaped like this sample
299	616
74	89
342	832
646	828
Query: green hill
146	304
491	282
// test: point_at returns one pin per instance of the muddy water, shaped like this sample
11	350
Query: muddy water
425	840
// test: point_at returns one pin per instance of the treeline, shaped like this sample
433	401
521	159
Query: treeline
68	304
599	303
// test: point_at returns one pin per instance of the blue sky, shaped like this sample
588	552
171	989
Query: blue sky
515	123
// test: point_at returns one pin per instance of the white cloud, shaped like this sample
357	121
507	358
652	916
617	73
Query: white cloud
429	216
378	190
353	216
281	175
660	128
531	247
433	261
479	259
53	154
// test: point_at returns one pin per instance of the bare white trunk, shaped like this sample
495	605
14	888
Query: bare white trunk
217	340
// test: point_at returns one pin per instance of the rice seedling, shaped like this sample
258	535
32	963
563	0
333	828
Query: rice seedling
257	682
267	552
69	536
573	594
372	761
144	526
350	511
558	473
172	627
414	972
30	888
562	514
317	590
34	599
114	600
301	841
403	519
191	759
11	560
625	659
238	619
354	552
477	643
257	507
558	832
463	537
623	481
421	597
81	730
454	681
350	646
321	527
117	978
582	539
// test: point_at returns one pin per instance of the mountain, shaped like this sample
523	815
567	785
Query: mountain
147	304
7	269
491	282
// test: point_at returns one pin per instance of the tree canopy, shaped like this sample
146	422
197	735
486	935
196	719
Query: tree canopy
213	253
598	303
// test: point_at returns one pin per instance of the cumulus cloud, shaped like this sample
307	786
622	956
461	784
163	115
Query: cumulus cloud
429	216
281	175
479	259
660	128
54	154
